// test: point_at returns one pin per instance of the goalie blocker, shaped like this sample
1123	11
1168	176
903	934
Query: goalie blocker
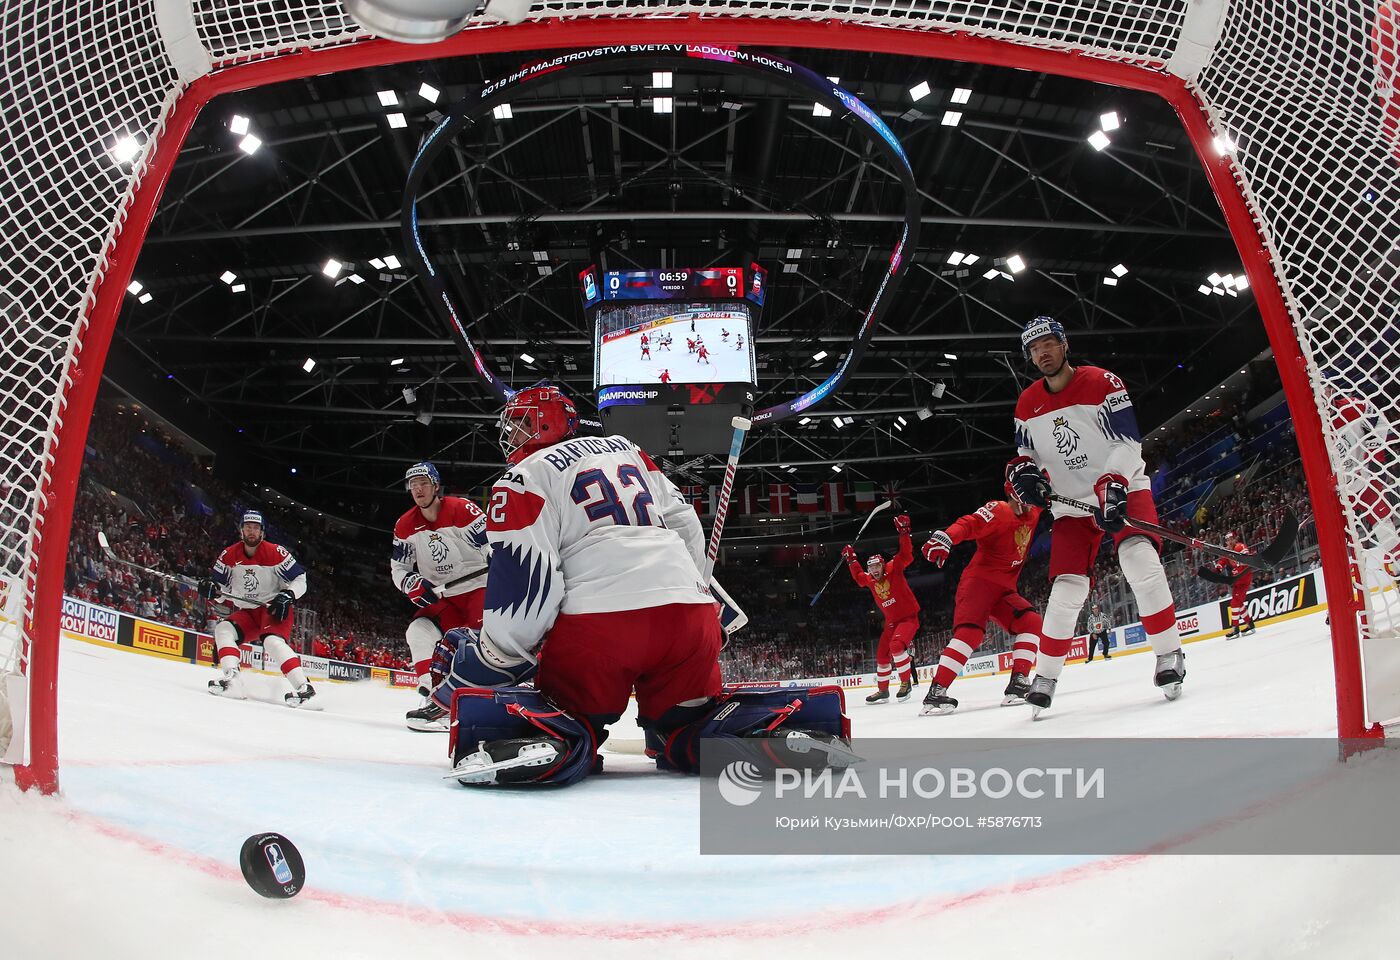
516	735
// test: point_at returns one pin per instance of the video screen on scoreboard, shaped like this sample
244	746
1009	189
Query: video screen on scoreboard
674	342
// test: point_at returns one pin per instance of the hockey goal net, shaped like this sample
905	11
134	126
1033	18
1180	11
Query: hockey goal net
1293	108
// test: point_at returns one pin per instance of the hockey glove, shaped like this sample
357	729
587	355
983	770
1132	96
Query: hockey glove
901	524
848	553
209	589
1112	514
281	605
937	549
1029	482
418	590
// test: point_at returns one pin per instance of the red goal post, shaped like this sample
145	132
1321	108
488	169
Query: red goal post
1292	109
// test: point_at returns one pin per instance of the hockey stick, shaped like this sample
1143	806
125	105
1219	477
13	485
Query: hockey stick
1266	559
112	555
818	595
741	427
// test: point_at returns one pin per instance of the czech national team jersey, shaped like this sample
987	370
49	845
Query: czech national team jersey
891	592
1078	435
252	581
589	525
1002	541
450	550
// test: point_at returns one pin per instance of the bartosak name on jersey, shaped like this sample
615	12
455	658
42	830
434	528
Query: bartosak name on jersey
1277	599
562	455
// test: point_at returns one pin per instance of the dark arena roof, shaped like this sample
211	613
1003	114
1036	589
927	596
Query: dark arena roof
1125	245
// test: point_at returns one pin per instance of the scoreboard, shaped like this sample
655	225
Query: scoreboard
684	283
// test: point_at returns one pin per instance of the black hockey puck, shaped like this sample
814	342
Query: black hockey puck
272	865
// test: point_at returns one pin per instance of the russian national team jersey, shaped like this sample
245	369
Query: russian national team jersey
1081	433
1002	541
252	581
450	550
891	592
1230	567
589	525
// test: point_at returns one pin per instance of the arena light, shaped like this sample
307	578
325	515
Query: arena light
1119	271
308	364
804	421
228	276
356	279
1099	140
1110	281
970	258
819	355
145	298
238	125
1214	279
955	258
429	92
1241	282
249	144
134	287
794	253
818	110
836	467
1204	289
1109	121
662	104
961	95
332	268
397	121
396	362
392	262
388	98
901	421
527	358
238	287
991	274
125	149
502	111
1015	264
950	356
920	90
951	118
376	263
662	79
410	396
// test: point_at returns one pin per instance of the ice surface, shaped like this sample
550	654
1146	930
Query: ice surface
162	782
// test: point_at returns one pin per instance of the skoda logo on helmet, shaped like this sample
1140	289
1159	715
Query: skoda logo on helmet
1041	327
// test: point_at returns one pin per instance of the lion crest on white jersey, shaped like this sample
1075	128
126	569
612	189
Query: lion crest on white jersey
1066	439
437	548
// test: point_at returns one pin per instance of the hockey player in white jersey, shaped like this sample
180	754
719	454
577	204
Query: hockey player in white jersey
1077	436
595	591
439	563
262	581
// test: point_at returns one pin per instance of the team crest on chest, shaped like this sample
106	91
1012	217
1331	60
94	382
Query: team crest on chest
1023	540
1066	439
250	581
437	547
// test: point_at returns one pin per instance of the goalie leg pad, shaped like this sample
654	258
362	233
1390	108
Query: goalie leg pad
478	664
674	740
483	717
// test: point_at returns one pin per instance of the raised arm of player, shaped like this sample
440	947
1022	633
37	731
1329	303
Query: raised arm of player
971	526
526	585
905	555
848	553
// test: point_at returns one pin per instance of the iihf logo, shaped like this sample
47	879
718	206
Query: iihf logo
740	783
1066	440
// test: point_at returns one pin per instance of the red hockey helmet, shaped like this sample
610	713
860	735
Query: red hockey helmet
538	416
874	559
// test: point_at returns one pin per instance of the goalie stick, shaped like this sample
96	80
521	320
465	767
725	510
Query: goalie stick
818	595
1266	559
741	427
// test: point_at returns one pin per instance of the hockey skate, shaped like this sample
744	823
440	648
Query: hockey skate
1171	671
1016	690
937	702
429	718
879	696
1233	632
506	761
228	685
302	698
1248	628
1041	692
905	691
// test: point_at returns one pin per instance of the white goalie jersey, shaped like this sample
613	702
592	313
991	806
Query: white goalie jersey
590	525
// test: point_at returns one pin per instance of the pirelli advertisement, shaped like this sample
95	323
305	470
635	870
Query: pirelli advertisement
157	638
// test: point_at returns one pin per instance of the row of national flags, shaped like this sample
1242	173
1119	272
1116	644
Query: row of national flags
780	499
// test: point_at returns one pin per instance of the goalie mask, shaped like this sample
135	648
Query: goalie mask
536	417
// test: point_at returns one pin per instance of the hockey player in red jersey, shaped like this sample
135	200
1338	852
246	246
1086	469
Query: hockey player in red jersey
262	581
596	591
1077	436
1239	578
703	354
887	585
439	562
665	376
1002	530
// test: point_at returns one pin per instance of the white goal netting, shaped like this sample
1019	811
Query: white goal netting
1301	94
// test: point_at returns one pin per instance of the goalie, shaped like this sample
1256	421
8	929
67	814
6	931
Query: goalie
595	591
